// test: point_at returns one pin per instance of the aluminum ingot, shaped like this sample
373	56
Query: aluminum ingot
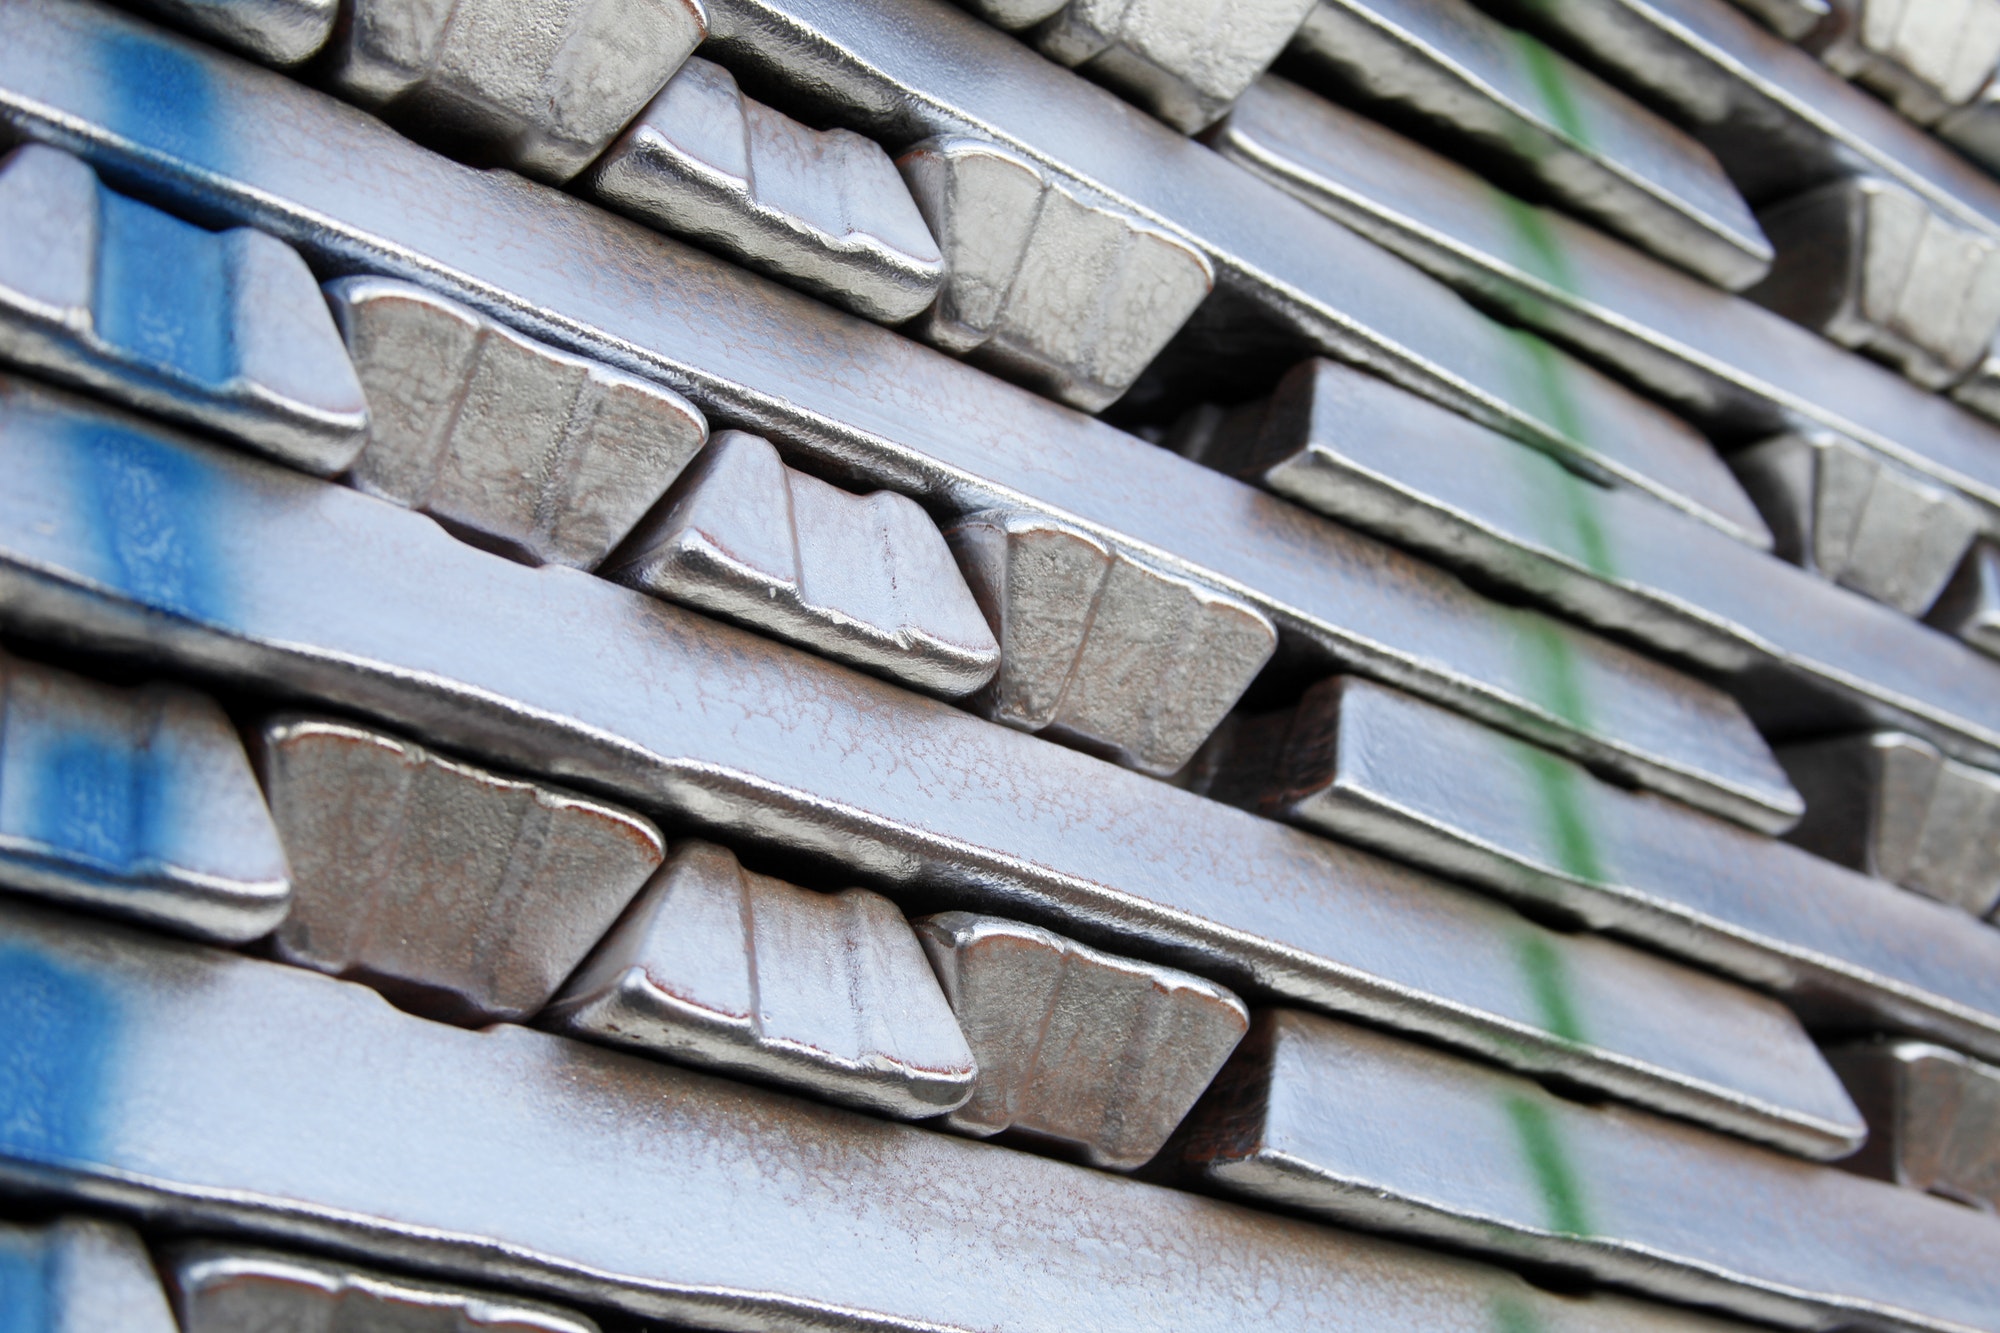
79	1275
233	1288
137	802
1873	267
464	894
1101	1054
1835	508
1974	129
863	579
277	32
1933	1118
1969	606
823	210
1101	648
827	993
1790	19
225	331
547	457
539	85
1924	56
1891	806
1042	285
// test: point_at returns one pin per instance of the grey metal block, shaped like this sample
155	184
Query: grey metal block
826	993
277	32
225	331
823	210
541	86
468	895
546	456
1924	56
1974	129
1969	606
866	580
1933	1118
1099	1053
1790	19
229	1287
1502	93
1358	1128
1069	295
138	802
1865	524
1102	648
79	1275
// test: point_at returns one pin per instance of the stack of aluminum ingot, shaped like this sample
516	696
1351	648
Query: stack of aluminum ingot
1042	665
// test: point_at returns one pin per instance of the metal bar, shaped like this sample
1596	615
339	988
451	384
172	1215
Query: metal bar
1933	1119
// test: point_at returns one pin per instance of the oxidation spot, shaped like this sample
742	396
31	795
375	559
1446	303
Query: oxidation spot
1548	983
151	510
56	1029
91	802
160	98
1542	1148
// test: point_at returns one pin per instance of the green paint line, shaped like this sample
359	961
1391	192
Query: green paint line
1510	1315
1545	68
1548	982
1541	1145
1575	499
1535	246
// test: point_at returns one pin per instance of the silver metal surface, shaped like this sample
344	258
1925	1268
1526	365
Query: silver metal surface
1891	806
1969	606
1372	455
277	32
79	1275
135	801
1341	1122
1386	771
377	611
1102	648
827	993
1933	1119
227	1287
1924	56
1513	101
224	331
541	86
174	1080
548	457
1101	1054
1870	265
1842	512
823	210
1043	285
1974	129
466	895
863	579
1790	19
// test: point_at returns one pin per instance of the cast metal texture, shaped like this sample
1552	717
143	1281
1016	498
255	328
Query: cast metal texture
864	579
1933	1119
542	87
822	210
1101	1054
548	457
1790	19
1503	94
277	32
826	993
134	801
1067	295
1974	129
227	1287
1101	648
1334	1120
377	611
79	1275
467	895
175	1080
225	331
1924	56
1969	606
1386	771
1891	806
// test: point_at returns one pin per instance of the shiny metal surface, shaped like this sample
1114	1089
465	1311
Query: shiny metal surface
1809	656
1842	512
866	580
1891	806
1338	1121
1924	56
228	1287
173	1080
552	671
1386	771
1974	129
541	87
1790	19
134	801
1101	648
825	993
276	32
1871	266
1969	606
520	447
1043	285
1514	102
1933	1119
823	210
224	331
1102	1054
79	1275
466	895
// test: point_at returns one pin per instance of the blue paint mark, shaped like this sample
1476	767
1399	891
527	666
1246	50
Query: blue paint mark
160	98
56	1032
153	512
91	801
163	292
24	1285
